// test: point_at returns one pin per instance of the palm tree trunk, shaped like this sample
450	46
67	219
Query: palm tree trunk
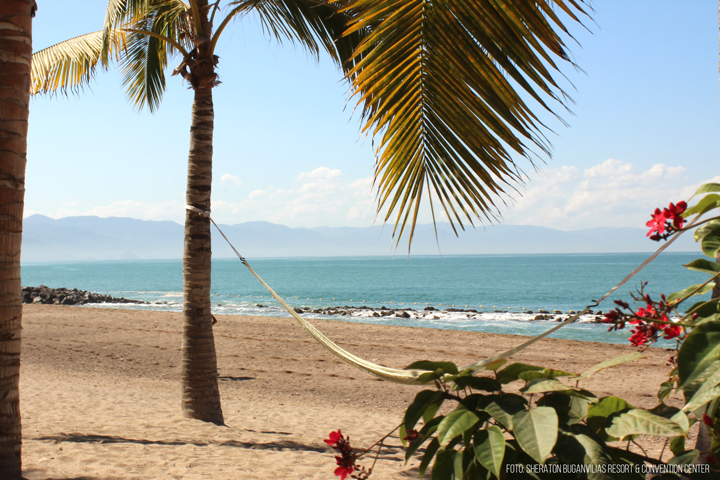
15	58
200	396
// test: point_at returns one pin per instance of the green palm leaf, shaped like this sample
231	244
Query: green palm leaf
69	65
156	30
440	82
311	23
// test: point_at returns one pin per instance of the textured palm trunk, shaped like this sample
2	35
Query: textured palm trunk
201	398
15	58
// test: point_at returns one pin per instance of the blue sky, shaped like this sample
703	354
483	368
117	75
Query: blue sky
644	130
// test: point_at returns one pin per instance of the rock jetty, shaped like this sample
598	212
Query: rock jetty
64	296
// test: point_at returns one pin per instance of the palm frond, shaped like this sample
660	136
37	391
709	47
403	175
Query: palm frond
143	70
170	17
69	65
311	23
154	28
440	81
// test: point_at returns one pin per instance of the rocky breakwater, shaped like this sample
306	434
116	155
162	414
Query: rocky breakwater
65	296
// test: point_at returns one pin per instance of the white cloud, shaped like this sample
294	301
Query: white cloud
322	197
231	180
611	193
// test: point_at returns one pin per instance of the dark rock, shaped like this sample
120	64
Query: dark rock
402	314
543	311
261	306
430	309
64	296
299	310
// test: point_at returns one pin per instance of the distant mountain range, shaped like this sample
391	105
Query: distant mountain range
95	238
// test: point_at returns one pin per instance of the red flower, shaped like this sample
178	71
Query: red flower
672	331
708	421
334	438
669	219
346	467
642	334
657	224
411	435
610	317
674	212
346	461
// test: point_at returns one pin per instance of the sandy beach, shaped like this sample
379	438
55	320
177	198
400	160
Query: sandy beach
100	393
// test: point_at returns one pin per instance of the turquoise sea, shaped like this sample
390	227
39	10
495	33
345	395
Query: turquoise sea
499	286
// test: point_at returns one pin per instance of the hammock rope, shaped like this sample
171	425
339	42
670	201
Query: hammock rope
409	377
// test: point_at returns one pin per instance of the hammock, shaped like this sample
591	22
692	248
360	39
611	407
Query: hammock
409	377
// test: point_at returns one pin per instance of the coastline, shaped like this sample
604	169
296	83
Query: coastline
100	395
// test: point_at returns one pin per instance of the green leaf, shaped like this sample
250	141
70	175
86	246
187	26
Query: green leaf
707	203
446	367
429	454
707	188
664	391
577	445
628	357
687	291
494	366
454	424
536	431
445	465
580	393
704	309
705	266
502	408
711	243
704	230
477	383
642	422
490	448
428	429
682	420
699	350
677	445
685	458
707	391
512	372
600	414
542	385
420	404
545	373
570	410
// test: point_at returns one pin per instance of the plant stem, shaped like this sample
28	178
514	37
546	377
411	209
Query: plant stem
379	441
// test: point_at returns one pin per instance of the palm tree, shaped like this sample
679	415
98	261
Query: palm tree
15	56
438	80
141	35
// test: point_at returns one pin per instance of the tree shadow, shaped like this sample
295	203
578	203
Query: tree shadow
234	379
102	439
37	473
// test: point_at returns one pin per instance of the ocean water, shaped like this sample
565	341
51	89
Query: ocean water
498	286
